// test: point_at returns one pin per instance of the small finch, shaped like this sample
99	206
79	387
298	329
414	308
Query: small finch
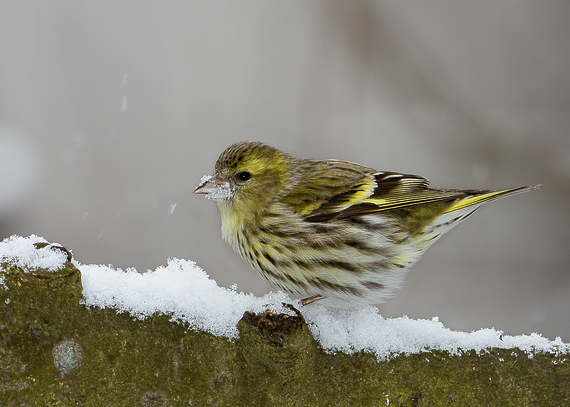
331	230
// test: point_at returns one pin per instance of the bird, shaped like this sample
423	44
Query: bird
331	231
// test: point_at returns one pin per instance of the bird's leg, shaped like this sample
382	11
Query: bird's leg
310	300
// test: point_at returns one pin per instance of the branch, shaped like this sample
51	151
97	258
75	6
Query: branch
54	350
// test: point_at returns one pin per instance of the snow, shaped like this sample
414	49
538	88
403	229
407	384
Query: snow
364	329
186	293
21	252
180	289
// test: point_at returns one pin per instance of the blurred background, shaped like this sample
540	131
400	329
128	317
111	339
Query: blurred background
111	112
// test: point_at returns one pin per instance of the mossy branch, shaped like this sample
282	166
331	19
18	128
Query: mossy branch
54	351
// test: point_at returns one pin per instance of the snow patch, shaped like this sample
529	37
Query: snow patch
186	293
180	289
21	252
363	329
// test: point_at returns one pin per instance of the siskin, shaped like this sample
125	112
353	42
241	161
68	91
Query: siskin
331	230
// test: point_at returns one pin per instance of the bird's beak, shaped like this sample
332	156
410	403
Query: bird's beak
208	185
215	188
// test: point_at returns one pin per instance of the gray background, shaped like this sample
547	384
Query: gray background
111	111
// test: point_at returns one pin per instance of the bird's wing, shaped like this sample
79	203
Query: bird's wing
328	187
347	189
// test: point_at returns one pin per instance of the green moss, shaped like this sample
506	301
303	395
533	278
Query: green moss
54	351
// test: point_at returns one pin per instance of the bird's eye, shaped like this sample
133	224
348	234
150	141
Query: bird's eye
244	175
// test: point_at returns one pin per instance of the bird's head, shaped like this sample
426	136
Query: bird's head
248	177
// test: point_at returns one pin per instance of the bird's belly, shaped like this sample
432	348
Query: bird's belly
355	260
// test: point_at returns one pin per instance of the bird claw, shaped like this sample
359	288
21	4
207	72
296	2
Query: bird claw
310	300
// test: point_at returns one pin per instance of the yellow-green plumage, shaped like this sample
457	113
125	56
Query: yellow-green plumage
331	229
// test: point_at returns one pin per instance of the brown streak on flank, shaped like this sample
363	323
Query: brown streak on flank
274	275
269	258
467	215
434	237
318	264
316	228
297	282
376	265
271	214
320	283
372	285
360	245
342	265
279	232
323	217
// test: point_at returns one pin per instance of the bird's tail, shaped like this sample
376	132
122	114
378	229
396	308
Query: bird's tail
479	197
